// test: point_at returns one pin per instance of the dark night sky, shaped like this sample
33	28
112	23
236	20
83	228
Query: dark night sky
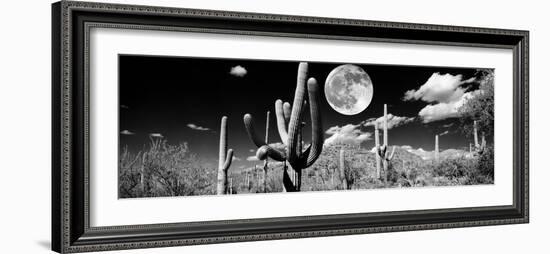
165	94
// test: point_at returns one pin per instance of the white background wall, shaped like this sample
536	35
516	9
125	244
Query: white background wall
25	125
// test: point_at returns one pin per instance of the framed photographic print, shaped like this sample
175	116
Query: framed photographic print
180	126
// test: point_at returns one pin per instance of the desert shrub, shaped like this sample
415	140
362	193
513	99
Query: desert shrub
168	170
486	162
369	183
465	171
454	168
129	177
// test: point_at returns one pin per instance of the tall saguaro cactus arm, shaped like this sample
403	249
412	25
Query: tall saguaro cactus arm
282	119
225	156
290	124
224	160
264	149
316	124
298	158
295	126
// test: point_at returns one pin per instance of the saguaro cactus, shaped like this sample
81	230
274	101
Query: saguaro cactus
436	150
266	159
247	180
377	143
289	125
142	174
480	147
225	159
383	150
342	169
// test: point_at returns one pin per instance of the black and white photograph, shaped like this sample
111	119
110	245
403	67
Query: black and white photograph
191	126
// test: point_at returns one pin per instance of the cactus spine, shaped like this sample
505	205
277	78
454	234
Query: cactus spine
225	159
436	150
383	151
289	125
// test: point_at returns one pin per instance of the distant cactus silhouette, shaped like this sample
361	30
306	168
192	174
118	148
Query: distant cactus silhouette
382	151
225	159
480	147
342	169
289	125
266	161
436	150
377	145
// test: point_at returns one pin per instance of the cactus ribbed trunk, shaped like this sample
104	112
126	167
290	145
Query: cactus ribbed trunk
385	161
476	143
224	160
480	148
267	158
342	169
247	180
436	150
289	125
382	151
258	181
142	175
377	144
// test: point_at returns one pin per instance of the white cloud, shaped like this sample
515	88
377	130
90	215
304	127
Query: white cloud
156	135
444	92
425	155
196	127
440	111
347	134
439	88
235	158
393	121
252	158
279	146
373	149
238	71
126	132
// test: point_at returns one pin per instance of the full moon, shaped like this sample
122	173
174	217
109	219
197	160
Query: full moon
348	89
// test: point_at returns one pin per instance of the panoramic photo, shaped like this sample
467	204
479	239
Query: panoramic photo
211	126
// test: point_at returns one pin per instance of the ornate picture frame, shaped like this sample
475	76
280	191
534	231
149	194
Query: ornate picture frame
71	202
